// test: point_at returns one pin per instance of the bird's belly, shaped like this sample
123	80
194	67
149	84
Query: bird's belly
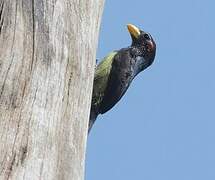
113	95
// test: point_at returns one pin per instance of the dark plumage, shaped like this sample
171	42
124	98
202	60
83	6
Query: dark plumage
117	70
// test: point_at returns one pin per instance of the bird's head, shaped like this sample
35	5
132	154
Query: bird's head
143	46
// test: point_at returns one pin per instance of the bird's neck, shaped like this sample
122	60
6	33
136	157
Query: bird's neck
139	65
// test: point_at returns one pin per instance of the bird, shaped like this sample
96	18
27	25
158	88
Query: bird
114	74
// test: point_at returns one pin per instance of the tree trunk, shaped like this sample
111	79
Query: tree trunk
47	59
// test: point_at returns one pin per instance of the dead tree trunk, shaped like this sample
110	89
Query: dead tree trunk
47	58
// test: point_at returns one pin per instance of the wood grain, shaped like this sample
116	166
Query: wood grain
47	59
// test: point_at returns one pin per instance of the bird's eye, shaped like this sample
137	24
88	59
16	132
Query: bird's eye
146	36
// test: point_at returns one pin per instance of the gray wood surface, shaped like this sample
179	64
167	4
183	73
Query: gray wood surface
47	60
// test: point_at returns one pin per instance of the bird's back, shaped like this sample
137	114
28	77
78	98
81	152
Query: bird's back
120	77
101	79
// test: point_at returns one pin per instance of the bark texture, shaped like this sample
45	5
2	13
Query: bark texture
47	59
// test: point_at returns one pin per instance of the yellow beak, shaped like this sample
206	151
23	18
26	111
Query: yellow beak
133	30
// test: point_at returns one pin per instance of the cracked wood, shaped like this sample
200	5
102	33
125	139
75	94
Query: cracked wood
47	58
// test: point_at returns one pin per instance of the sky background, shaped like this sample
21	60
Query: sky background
164	126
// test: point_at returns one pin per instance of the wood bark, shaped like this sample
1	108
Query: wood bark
47	60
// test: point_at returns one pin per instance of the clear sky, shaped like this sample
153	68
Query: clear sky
164	126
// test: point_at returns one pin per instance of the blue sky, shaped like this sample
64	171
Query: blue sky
164	126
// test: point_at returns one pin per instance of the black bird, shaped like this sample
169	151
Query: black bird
115	72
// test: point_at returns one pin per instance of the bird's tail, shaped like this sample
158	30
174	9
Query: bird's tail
93	116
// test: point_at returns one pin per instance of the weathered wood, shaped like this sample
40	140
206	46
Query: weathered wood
47	59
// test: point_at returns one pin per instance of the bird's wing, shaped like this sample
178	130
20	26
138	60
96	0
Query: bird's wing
100	79
120	77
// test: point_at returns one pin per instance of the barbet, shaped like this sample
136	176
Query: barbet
115	72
